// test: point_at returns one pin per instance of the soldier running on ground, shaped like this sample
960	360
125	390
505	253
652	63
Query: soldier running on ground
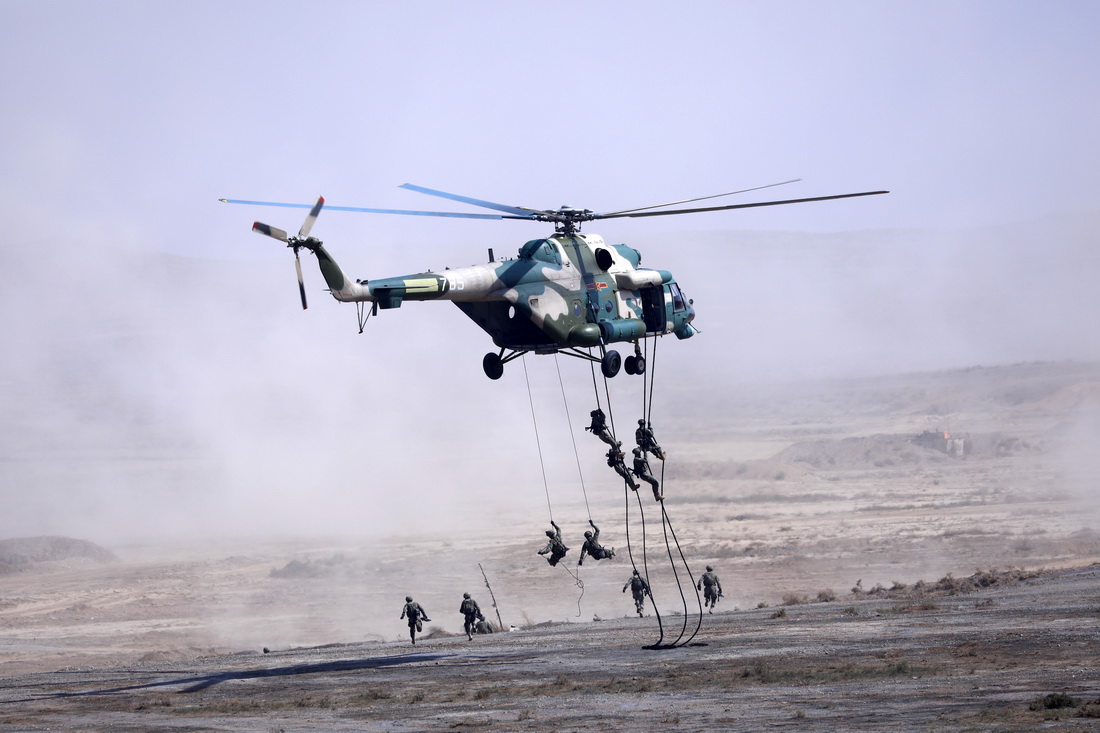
472	612
599	428
615	460
416	615
593	547
639	589
711	587
643	436
641	470
554	547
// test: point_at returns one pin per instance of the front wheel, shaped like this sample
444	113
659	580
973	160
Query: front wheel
639	365
610	364
493	366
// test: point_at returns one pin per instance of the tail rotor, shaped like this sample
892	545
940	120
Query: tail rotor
296	242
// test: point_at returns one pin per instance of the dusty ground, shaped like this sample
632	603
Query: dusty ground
842	544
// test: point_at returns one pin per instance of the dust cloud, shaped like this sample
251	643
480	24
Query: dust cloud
157	396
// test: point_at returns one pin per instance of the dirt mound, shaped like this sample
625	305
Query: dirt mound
861	452
17	554
298	569
881	451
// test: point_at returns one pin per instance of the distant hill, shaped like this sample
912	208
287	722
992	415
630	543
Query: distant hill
18	553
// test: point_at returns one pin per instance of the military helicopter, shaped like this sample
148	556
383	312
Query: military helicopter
561	294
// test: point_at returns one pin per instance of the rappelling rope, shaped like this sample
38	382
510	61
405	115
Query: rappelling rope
691	576
645	564
545	485
569	424
666	522
665	525
641	511
647	411
535	422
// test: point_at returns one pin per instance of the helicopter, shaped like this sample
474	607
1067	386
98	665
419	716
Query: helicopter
561	294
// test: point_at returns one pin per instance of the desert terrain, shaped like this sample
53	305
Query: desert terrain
908	552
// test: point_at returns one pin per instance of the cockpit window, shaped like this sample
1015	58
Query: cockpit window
677	297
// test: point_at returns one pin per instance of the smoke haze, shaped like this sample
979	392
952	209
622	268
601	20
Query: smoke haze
159	378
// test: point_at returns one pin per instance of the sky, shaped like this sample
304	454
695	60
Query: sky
158	358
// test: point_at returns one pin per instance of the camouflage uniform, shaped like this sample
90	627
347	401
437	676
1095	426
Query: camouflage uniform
599	428
554	547
416	615
593	547
615	460
643	436
639	589
711	587
641	470
472	612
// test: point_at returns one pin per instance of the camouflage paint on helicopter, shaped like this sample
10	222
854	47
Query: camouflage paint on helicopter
561	292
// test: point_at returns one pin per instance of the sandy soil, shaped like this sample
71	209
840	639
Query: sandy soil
850	556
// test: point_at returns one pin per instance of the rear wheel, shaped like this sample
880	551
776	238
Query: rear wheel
639	365
630	365
493	366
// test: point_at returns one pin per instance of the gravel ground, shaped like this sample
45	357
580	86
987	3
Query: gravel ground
975	661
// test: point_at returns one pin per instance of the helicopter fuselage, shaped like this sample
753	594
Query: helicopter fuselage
569	290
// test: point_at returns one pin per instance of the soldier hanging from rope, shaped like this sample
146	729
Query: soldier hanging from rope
593	547
599	428
643	436
639	588
554	546
641	470
615	460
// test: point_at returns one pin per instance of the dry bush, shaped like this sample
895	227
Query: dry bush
1053	701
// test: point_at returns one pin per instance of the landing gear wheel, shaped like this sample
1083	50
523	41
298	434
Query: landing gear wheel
630	365
639	365
610	364
493	366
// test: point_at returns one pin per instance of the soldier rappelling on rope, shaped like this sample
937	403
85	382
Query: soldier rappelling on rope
643	436
615	460
555	548
593	547
599	428
642	471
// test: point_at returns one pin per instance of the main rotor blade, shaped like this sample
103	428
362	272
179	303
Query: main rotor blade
737	206
702	198
273	232
301	282
365	210
307	225
514	210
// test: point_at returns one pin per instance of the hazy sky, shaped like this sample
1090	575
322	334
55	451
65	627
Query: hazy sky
124	123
